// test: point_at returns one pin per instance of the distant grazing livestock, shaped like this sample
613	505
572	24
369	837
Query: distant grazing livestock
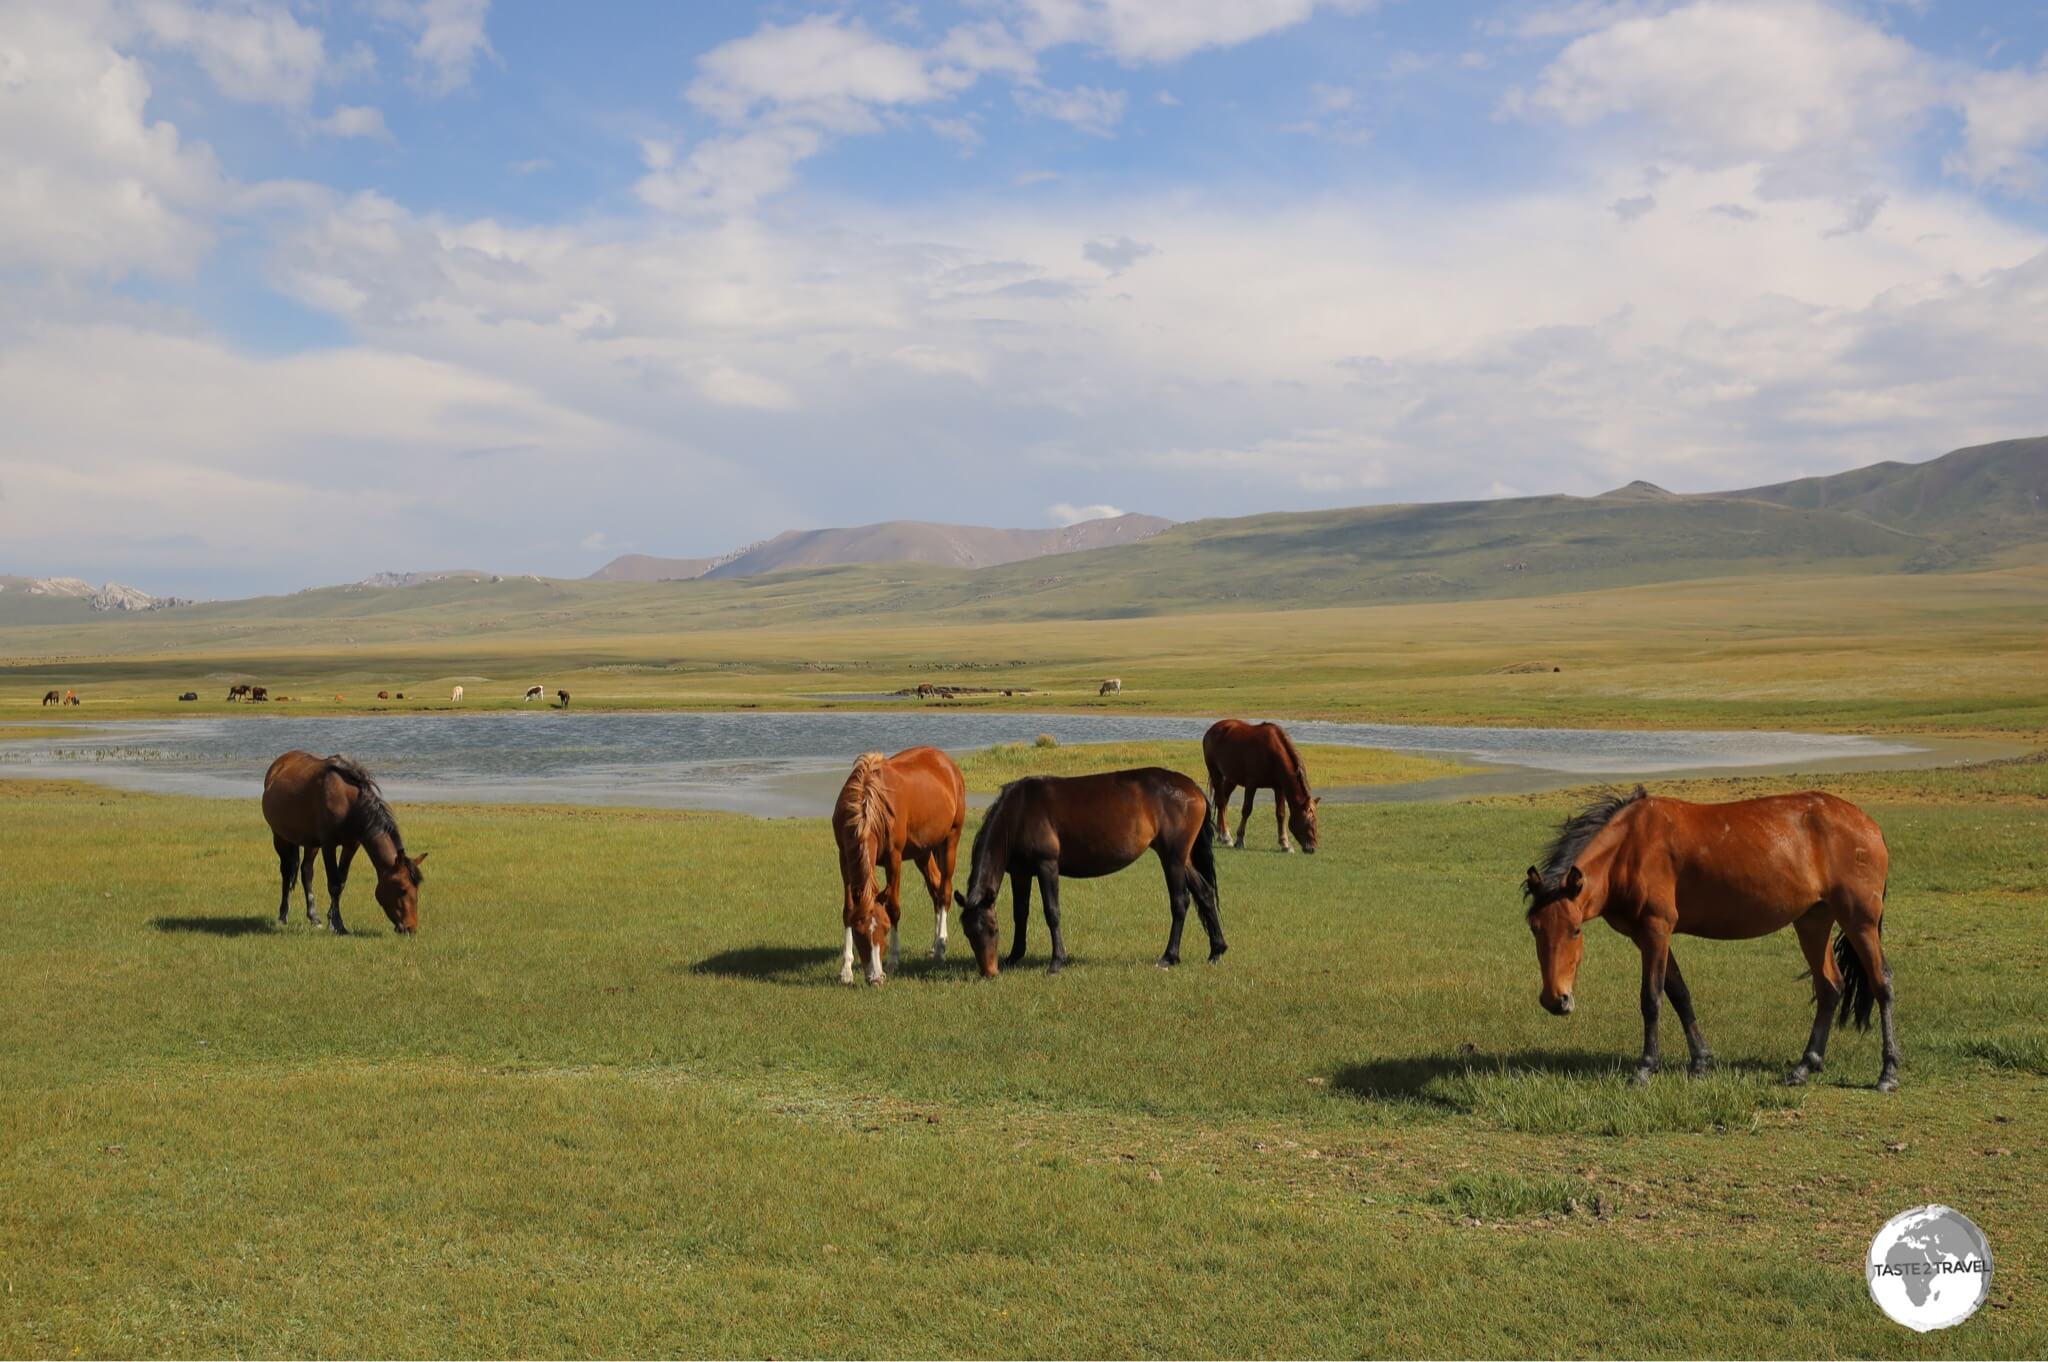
190	695
383	695
52	698
1043	827
401	695
1113	686
1656	867
70	697
534	692
456	695
911	805
259	692
238	692
563	696
330	805
926	690
1259	757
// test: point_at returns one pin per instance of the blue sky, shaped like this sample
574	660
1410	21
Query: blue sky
298	291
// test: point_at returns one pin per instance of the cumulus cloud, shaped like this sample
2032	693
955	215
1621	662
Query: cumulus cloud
355	120
257	53
1086	107
1117	254
447	37
1065	513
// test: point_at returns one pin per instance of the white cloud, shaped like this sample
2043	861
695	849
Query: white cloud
2006	124
818	60
1086	107
1065	513
1137	31
1117	254
355	120
89	184
448	37
255	52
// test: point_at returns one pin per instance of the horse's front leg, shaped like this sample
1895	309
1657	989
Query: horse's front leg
1280	807
893	902
1049	897
1681	1003
1656	948
337	876
1020	910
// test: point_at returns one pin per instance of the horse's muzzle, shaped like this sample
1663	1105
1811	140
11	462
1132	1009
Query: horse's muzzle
1559	1007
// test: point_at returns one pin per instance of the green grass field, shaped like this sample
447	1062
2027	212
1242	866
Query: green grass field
1934	652
613	1100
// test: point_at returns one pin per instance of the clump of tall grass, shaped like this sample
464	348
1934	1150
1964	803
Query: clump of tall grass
1507	1196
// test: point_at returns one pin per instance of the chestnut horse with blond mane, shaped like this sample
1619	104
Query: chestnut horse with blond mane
1655	867
1259	757
910	805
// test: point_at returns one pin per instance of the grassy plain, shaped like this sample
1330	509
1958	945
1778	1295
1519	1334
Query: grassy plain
612	1100
1955	652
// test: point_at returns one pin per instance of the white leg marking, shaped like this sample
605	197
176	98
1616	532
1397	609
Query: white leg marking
939	937
846	959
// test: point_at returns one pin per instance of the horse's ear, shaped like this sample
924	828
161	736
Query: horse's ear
959	898
1573	882
1535	878
421	857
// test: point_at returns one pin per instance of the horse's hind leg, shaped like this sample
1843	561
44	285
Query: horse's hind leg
1280	819
1177	896
1020	909
287	865
1244	820
1813	927
1681	1002
931	863
306	882
1861	927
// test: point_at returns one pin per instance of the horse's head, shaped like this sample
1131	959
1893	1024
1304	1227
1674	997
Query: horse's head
1557	920
398	892
870	929
978	920
1301	821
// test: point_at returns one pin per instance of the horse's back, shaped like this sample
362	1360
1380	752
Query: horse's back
1777	854
1248	754
302	798
930	795
1098	824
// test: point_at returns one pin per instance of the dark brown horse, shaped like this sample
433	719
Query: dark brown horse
1259	757
1043	827
51	697
330	805
910	805
1655	867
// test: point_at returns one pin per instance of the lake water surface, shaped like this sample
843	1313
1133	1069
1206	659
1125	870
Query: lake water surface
791	764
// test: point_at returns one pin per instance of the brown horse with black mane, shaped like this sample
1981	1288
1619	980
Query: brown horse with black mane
912	804
1654	867
1043	827
1259	757
330	804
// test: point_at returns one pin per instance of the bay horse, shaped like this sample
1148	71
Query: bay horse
331	805
910	805
1654	867
1259	757
51	697
1043	827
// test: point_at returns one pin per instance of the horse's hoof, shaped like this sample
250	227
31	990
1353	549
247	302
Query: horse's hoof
1168	961
1286	848
1055	967
847	977
1216	953
1642	1078
1796	1078
1888	1083
1699	1067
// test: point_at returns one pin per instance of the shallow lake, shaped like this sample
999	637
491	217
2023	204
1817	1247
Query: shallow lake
775	764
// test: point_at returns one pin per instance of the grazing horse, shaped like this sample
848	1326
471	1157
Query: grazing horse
1113	686
910	805
238	691
383	695
70	697
1654	867
562	696
259	693
330	805
51	697
1259	757
1043	827
456	695
926	690
189	695
534	693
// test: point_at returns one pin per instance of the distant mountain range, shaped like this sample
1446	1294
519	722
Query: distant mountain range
111	596
1970	507
893	541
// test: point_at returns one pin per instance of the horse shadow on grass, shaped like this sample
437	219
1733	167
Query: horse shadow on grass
818	966
216	926
1423	1078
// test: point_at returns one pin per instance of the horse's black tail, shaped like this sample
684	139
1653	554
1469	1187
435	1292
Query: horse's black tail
1858	993
1202	867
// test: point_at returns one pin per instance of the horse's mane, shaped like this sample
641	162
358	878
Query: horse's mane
371	815
1300	766
996	809
1579	829
870	798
